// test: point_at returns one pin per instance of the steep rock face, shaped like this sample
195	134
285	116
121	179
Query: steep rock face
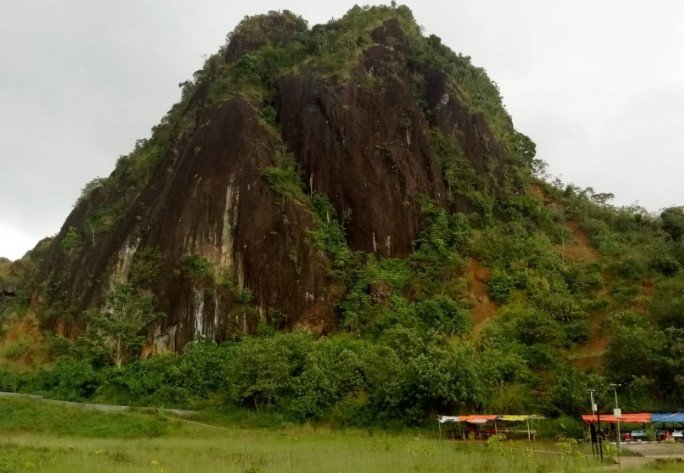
211	201
352	146
364	143
366	147
217	205
454	119
9	274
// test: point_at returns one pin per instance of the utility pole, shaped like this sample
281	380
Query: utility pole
592	426
595	411
598	424
617	412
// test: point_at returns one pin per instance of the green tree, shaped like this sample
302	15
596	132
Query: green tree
120	324
72	240
262	370
673	222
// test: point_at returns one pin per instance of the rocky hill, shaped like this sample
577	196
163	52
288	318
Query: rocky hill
360	179
287	136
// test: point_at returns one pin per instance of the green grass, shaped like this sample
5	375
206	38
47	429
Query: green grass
262	451
43	438
26	416
667	466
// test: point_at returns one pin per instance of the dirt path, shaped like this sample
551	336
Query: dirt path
98	407
647	453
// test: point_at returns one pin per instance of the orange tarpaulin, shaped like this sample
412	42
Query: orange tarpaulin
633	418
477	419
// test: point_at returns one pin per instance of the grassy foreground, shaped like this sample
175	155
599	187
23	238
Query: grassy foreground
41	438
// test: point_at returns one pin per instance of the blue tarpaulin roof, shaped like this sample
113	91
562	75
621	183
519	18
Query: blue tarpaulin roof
667	417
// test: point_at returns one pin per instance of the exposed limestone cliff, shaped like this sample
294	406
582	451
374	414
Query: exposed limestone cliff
361	107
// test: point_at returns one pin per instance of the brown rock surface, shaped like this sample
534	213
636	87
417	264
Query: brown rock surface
362	142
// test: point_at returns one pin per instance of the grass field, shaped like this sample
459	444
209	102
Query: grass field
41	438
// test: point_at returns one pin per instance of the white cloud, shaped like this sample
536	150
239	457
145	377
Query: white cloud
13	243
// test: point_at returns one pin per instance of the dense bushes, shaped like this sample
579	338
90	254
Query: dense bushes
402	378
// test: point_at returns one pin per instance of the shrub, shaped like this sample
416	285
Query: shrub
203	368
284	179
10	381
500	286
156	381
269	115
198	269
147	266
443	314
262	370
69	379
629	268
72	240
665	264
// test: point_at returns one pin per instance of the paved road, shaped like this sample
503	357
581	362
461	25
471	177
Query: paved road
651	452
97	407
658	450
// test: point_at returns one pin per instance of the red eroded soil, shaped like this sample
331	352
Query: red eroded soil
579	248
536	190
590	355
28	333
22	329
483	308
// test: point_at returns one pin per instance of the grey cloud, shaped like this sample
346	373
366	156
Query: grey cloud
598	85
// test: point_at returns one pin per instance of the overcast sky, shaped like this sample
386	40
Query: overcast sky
598	85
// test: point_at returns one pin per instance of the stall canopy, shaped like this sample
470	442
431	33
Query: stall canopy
637	418
478	418
668	417
521	418
443	419
484	418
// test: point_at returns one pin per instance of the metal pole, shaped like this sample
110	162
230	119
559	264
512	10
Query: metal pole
617	418
598	424
595	410
592	426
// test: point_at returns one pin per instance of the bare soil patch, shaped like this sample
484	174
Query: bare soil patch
483	309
